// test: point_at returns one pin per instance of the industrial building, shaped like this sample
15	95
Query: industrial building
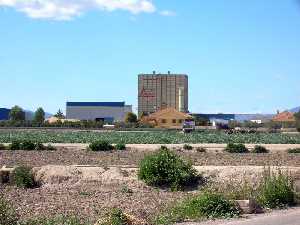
107	112
4	114
225	118
161	91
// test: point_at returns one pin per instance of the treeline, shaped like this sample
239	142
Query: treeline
17	119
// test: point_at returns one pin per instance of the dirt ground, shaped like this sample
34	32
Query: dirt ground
111	180
79	156
89	192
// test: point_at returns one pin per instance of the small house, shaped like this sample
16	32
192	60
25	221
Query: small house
168	118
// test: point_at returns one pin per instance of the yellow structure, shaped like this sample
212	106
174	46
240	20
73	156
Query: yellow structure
54	119
168	118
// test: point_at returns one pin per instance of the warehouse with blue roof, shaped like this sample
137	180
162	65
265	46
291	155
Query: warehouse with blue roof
107	112
4	114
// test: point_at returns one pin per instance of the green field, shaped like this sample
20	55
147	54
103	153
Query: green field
153	137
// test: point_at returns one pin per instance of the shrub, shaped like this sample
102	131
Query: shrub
8	215
277	190
39	146
50	148
231	189
187	147
260	149
120	146
100	146
206	205
116	217
165	168
22	177
15	145
2	147
4	177
201	149
236	148
28	145
294	150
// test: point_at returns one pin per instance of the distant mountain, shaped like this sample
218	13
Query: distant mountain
295	110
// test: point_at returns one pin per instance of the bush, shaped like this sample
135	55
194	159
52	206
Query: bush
187	147
294	150
236	148
15	145
28	145
22	177
277	190
165	168
206	205
260	149
201	149
120	146
2	147
8	215
116	217
233	190
50	148
97	146
38	147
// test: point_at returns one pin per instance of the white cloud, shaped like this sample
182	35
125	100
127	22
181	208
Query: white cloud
68	9
167	13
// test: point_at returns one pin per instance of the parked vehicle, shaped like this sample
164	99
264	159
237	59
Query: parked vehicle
188	126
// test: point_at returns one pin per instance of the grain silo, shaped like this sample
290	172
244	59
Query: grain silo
159	91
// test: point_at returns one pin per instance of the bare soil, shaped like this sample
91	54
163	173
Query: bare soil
79	156
110	180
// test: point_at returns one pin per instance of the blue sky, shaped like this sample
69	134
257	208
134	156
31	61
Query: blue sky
241	56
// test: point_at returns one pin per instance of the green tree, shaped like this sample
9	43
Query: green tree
297	117
39	115
130	118
201	121
59	115
17	114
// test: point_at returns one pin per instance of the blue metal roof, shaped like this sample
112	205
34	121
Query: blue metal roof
215	116
99	104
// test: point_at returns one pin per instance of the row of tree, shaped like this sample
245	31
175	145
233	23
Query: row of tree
18	114
297	116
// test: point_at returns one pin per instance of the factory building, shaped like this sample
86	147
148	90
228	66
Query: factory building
161	91
4	114
225	118
107	112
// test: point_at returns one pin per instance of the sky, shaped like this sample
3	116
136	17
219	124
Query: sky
241	56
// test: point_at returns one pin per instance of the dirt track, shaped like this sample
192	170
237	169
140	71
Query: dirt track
78	156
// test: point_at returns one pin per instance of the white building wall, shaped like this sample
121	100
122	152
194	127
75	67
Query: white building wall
93	112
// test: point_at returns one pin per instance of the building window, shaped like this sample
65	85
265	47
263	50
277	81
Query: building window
164	121
179	121
173	121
